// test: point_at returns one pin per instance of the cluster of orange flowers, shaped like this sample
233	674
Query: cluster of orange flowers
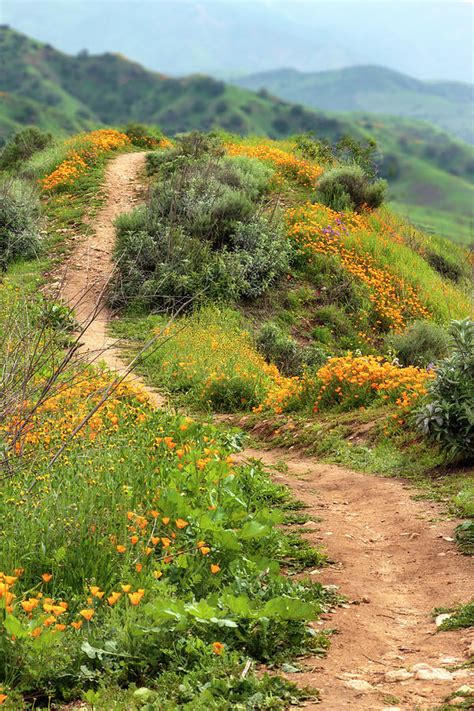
288	165
362	379
319	229
146	534
57	417
85	151
39	612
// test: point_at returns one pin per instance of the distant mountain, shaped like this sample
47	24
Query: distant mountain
109	89
448	105
430	173
430	39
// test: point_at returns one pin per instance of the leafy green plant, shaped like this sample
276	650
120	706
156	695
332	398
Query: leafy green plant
421	343
447	417
350	188
462	617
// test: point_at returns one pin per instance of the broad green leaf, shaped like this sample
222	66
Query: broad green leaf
14	627
287	608
252	530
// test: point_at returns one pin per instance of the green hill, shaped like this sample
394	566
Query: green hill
430	174
448	105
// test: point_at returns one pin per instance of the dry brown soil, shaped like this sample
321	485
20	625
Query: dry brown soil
395	559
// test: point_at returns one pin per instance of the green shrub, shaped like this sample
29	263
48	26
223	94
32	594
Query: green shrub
22	145
350	188
335	319
262	251
141	135
422	343
446	266
200	235
447	417
284	351
19	214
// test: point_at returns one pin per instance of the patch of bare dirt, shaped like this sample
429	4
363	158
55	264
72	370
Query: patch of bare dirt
396	562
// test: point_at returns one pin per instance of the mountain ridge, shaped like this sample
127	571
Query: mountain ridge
376	89
430	173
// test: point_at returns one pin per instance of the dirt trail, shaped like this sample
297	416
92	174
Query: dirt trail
394	565
90	266
395	558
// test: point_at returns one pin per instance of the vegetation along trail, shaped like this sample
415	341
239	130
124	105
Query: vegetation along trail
394	557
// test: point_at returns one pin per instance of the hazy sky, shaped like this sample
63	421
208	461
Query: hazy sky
430	39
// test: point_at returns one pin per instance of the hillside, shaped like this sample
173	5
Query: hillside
374	89
430	173
161	561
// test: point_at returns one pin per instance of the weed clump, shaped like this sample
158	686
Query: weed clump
285	352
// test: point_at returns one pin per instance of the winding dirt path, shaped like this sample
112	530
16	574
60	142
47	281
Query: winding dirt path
395	559
89	268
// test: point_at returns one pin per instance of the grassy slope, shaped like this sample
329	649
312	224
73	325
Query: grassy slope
447	105
110	89
358	438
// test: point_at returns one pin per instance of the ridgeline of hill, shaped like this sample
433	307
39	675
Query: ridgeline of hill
447	105
430	173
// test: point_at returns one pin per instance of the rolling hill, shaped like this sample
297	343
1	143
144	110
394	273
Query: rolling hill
430	174
448	105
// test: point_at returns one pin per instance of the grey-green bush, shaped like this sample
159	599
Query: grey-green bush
447	415
200	235
421	343
19	216
350	188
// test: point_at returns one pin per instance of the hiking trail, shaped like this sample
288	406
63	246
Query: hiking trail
394	556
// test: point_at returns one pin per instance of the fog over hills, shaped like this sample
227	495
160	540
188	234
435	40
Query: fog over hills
429	40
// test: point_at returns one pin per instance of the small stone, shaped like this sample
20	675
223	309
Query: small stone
398	675
359	685
366	600
441	618
470	650
391	708
433	675
420	665
449	660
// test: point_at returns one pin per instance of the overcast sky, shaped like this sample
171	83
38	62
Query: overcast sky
430	39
